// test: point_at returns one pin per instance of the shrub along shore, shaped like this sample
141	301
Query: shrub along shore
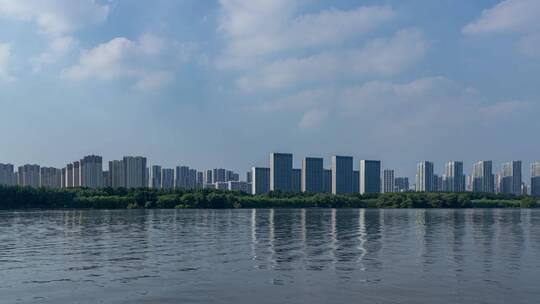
108	198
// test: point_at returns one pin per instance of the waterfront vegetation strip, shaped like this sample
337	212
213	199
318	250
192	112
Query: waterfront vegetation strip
83	198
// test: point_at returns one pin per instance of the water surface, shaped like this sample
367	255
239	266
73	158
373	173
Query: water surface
270	256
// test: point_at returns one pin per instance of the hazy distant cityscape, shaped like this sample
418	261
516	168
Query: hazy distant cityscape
313	177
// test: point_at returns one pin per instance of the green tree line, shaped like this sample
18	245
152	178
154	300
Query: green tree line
109	198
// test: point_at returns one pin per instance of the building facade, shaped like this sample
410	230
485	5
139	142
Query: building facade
425	177
281	172
135	171
454	179
389	184
342	174
312	175
261	180
370	176
482	177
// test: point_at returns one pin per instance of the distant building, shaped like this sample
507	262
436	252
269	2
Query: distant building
296	180
200	180
76	174
91	172
261	180
106	179
281	172
29	176
238	186
511	178
221	186
219	175
208	177
535	179
483	179
50	178
425	177
370	176
117	172
312	175
327	181
69	176
356	181
249	176
135	168
402	184
454	179
167	179
7	175
181	177
155	177
342	174
389	184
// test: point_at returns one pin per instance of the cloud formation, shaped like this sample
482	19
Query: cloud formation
5	60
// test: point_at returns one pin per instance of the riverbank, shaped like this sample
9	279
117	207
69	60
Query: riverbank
108	198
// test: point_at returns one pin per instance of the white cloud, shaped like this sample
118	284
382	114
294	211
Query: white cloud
255	29
123	58
380	57
504	109
312	118
529	45
508	15
55	17
58	47
5	58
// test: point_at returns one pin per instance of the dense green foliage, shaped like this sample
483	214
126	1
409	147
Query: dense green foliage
108	198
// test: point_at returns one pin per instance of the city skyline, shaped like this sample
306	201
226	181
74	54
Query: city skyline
195	84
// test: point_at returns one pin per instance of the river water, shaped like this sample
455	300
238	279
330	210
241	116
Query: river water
270	256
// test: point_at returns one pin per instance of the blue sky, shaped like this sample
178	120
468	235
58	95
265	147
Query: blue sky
223	83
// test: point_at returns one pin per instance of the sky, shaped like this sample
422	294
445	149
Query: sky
223	83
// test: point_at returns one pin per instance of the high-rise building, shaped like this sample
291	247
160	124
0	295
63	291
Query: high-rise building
221	186
261	180
511	178
63	179
482	177
281	172
296	180
249	176
106	179
454	179
342	174
50	177
535	179
327	181
117	172
7	175
29	176
69	176
192	179
370	176
76	174
91	171
200	180
219	175
181	177
208	177
389	184
155	177
312	175
135	171
402	184
356	181
167	178
425	177
238	186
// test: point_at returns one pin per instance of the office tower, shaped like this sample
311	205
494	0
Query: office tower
454	180
155	177
482	177
238	186
535	179
208	177
69	176
117	173
135	171
192	179
511	178
7	175
181	177
296	180
231	176
327	181
29	176
389	184
261	180
524	189
249	176
167	179
424	177
402	184
50	178
106	179
76	174
469	183
91	170
438	183
356	182
370	176
281	172
312	175
342	174
219	175
200	180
